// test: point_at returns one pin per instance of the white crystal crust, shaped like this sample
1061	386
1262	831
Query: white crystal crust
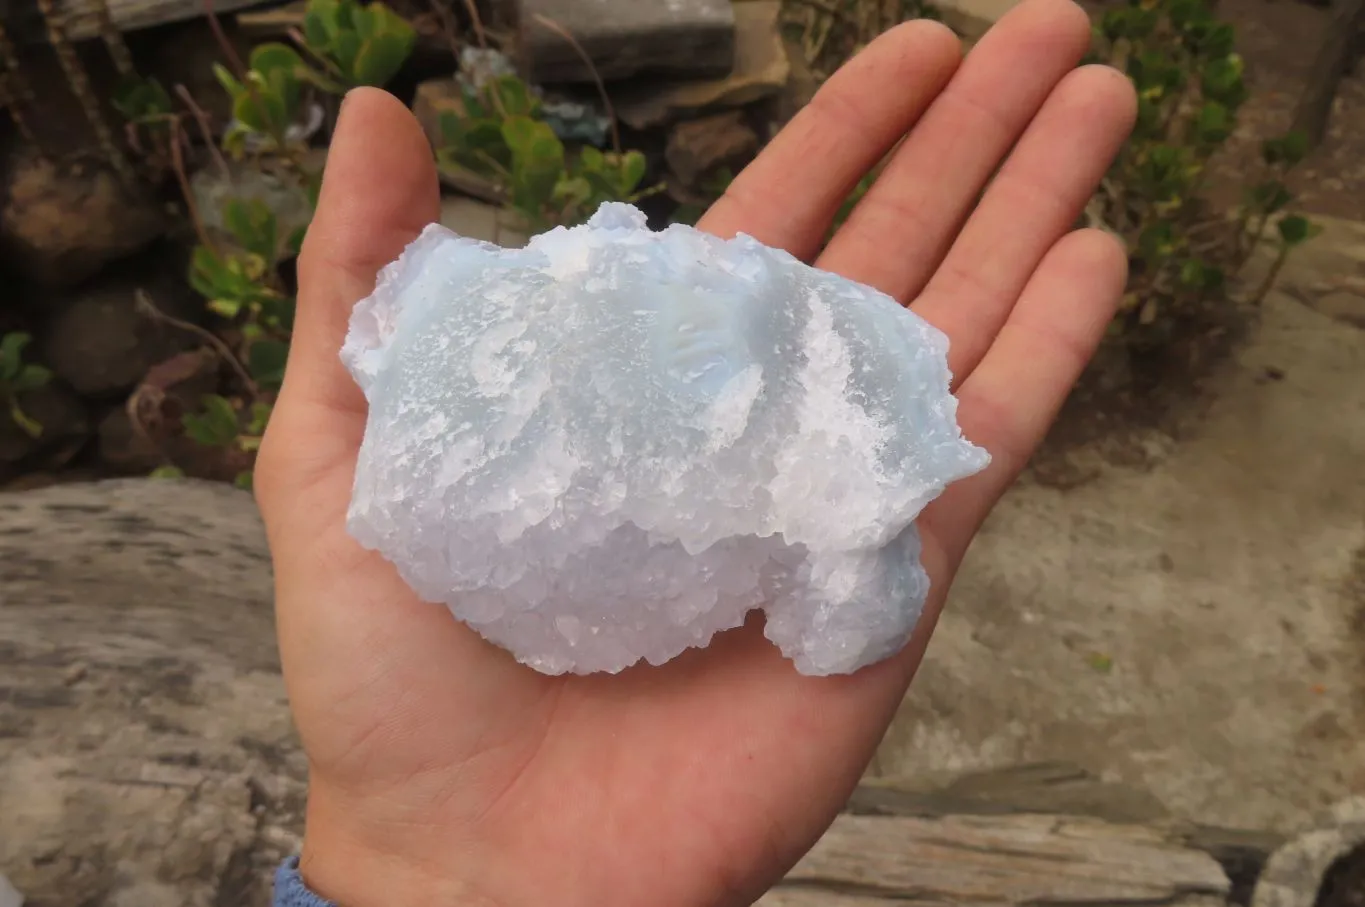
615	443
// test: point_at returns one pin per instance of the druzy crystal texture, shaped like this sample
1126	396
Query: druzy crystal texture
614	443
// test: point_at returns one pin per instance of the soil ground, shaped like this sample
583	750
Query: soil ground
1194	626
1177	601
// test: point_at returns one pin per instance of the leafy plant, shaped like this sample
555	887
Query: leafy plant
357	45
829	32
218	424
351	44
18	377
268	98
215	425
142	100
1189	82
498	135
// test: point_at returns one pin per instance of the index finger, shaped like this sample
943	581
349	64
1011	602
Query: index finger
788	196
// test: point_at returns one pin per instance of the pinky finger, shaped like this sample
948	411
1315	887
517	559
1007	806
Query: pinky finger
1009	402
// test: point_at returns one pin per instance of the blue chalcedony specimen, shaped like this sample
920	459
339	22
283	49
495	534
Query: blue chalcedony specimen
614	443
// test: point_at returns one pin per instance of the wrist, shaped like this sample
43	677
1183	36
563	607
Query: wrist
354	868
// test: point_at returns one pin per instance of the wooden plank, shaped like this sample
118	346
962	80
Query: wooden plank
1006	860
1059	788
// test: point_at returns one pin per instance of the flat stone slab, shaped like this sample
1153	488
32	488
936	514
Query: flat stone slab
623	38
480	220
973	18
761	68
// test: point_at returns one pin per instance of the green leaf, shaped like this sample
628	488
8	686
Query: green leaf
1192	273
28	425
243	481
1114	25
592	158
318	24
260	110
234	141
167	472
30	378
1156	242
260	418
1268	197
253	224
1295	229
572	192
537	161
1288	149
227	308
215	426
515	97
203	274
228	81
1214	124
520	133
11	354
273	57
138	99
345	48
278	311
346	15
1295	146
381	57
633	167
1218	41
265	362
323	82
1222	80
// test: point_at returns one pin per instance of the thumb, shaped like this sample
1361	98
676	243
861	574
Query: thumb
379	190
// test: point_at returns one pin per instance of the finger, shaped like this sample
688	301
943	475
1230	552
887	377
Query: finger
379	190
1010	401
1035	200
899	232
789	196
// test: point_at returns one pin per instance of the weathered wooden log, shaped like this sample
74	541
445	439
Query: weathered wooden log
147	756
1340	38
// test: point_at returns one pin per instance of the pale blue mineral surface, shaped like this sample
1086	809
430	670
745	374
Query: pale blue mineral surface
614	443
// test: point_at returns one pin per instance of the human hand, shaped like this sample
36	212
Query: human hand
444	772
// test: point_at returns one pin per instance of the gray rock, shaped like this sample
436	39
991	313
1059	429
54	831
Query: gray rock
480	220
623	38
60	416
973	18
62	223
1294	874
761	69
9	895
100	345
123	448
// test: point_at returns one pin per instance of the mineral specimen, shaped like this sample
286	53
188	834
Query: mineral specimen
614	443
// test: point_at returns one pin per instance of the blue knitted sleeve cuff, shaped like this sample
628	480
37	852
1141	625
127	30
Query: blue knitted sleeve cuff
290	891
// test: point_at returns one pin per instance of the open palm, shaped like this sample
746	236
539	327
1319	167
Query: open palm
443	771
